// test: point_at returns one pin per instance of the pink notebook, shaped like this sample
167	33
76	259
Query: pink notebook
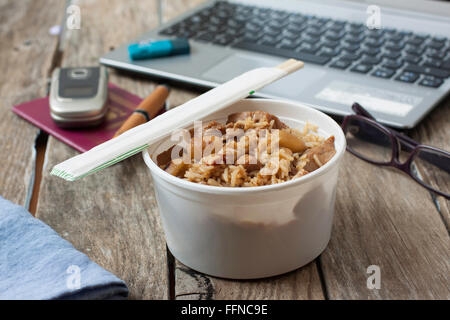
121	104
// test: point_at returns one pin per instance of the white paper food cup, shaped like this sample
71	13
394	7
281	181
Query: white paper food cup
256	232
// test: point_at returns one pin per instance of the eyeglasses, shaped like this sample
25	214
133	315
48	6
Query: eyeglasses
371	141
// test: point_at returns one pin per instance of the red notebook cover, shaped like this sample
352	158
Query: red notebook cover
121	104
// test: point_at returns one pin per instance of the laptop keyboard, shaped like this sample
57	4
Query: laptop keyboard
384	53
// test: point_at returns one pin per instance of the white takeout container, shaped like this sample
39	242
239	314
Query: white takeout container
256	232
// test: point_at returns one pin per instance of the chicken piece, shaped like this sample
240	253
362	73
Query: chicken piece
257	116
319	155
164	158
290	141
209	134
176	167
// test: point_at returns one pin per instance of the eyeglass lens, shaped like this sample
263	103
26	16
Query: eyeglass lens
368	141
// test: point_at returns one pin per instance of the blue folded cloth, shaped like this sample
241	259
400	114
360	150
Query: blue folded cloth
36	263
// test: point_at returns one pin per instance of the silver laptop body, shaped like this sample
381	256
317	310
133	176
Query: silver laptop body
392	102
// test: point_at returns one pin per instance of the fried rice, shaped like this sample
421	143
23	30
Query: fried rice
251	149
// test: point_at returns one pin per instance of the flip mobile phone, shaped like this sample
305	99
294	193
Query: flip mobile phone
78	96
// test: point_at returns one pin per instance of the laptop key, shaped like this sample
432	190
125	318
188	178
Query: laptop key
430	62
350	56
330	43
409	77
278	24
253	27
434	53
393	46
392	64
294	28
222	14
415	41
336	28
311	58
411	59
391	55
435	44
361	68
269	41
340	64
370	60
328	52
430	81
350	47
383	73
309	39
223	40
427	71
439	39
371	51
374	33
236	24
280	15
414	50
340	23
356	26
288	44
215	29
335	35
217	20
258	21
234	32
287	34
196	27
314	32
185	34
297	18
395	37
270	31
353	39
356	32
373	42
446	65
251	37
308	48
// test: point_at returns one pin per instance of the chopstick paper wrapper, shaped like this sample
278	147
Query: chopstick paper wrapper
139	138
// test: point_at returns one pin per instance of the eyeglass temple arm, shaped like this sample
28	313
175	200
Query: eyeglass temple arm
405	140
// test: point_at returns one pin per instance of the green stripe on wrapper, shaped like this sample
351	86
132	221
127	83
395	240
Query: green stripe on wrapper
70	177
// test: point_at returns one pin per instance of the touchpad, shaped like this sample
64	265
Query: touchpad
290	86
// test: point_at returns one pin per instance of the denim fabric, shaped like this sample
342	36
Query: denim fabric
36	263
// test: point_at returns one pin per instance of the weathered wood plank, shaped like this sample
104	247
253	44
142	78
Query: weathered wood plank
111	216
385	219
26	57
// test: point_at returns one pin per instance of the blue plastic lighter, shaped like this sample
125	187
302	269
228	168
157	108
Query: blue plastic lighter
160	48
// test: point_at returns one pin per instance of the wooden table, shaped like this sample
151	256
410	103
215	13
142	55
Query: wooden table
382	217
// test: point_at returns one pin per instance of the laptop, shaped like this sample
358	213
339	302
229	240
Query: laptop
393	57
